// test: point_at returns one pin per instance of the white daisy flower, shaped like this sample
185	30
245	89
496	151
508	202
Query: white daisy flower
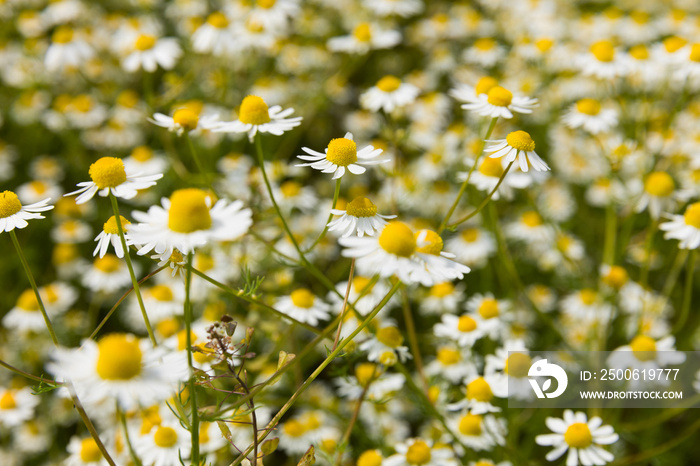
303	306
479	393
479	432
67	50
363	294
26	315
517	145
383	385
110	235
385	345
443	297
163	301
16	406
109	176
85	452
215	36
187	220
254	116
645	353
685	228
587	114
120	367
144	160
274	14
360	216
500	102
453	364
658	195
603	61
185	119
149	52
435	262
388	94
340	154
487	177
463	330
580	436
403	8
530	227
469	94
485	52
107	274
14	215
71	231
473	246
417	451
365	37
509	366
164	445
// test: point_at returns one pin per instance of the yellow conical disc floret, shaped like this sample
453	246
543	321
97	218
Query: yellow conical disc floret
145	42
479	390
518	365
692	215
488	308
9	204
119	357
470	425
107	264
441	290
370	458
603	50
588	106
62	35
362	32
89	451
361	207
500	96
659	184
397	238
27	301
342	152
418	453
165	437
365	373
578	435
189	211
448	356
108	172
110	226
303	298
218	20
431	242
520	140
485	84
617	276
7	401
390	336
491	167
266	4
254	111
186	118
644	348
695	53
388	83
161	293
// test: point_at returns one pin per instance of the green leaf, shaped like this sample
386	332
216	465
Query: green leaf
309	458
270	445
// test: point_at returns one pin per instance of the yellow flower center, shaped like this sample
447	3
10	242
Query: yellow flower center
290	188
294	428
186	118
692	215
433	393
639	52
218	20
484	463
370	458
204	432
488	308
674	43
466	324
360	284
659	184
617	276
39	187
485	44
110	226
145	42
27	301
108	172
520	140
544	45
441	290
365	373
165	437
418	453
390	336
644	348
531	219
578	435
479	390
491	167
82	103
119	357
695	53
204	262
303	298
254	111
588	106
8	401
361	207
518	365
603	50
470	425
397	238
588	296
128	99
9	204
470	235
499	96
389	83
167	327
62	35
431	242
107	264
64	253
161	293
362	32
142	153
448	356
266	4
89	451
485	84
189	211
342	152
182	339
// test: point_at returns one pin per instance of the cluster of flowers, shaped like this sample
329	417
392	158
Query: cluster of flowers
432	239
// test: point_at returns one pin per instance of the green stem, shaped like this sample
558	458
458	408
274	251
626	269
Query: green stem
463	188
132	453
88	424
687	293
275	420
346	436
644	276
32	282
650	453
330	216
28	375
485	201
194	428
413	338
345	304
261	162
130	266
610	234
672	276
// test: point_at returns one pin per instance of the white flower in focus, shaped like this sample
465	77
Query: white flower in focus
500	102
254	116
149	52
164	445
587	114
517	145
303	306
185	119
388	94
385	346
360	216
14	215
685	228
581	437
110	235
415	451
340	154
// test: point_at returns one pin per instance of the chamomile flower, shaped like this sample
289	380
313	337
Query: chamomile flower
403	8
16	406
120	367
581	437
485	52
603	61
385	346
26	315
473	246
84	452
110	235
15	215
644	352
517	145
452	363
487	312
509	367
214	36
341	154
500	102
489	174
364	295
463	330
107	274
360	216
435	263
254	116
417	451
477	431
470	94
164	445
163	301
149	52
109	176
188	220
304	306
67	50
185	119
388	94
382	385
588	115
658	194
479	392
364	37
685	228
443	297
